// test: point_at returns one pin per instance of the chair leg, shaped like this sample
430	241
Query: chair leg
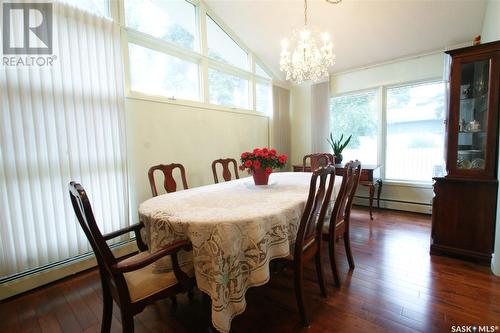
107	311
127	322
174	303
299	294
347	244
319	272
333	263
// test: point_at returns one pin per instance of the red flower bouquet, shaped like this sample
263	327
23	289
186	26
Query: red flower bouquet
261	162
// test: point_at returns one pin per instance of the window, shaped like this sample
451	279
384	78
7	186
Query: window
173	21
164	41
157	73
226	89
223	48
261	72
356	114
263	97
415	131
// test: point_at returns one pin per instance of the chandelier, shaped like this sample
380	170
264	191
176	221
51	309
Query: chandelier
309	60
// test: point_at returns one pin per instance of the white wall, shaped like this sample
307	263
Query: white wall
406	70
166	133
490	33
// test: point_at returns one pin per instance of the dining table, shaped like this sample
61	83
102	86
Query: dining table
236	229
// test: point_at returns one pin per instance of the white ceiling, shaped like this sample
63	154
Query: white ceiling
364	32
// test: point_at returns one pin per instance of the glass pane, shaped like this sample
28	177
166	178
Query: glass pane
173	21
157	73
473	118
98	7
261	72
226	89
415	131
357	115
263	97
222	47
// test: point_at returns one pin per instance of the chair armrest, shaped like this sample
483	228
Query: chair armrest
136	228
172	249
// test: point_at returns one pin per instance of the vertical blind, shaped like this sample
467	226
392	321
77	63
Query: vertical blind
60	123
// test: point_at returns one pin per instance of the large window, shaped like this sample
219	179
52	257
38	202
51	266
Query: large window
226	89
415	131
158	73
356	114
166	58
173	21
223	48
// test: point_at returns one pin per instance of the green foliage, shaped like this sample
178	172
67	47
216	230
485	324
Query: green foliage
337	145
354	114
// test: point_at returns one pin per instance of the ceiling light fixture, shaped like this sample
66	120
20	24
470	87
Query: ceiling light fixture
308	60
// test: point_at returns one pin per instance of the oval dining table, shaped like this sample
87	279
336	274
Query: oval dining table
236	229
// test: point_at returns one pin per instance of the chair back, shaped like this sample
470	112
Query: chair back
226	173
343	203
317	160
311	222
169	182
85	216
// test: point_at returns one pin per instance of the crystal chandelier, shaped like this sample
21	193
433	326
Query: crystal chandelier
308	60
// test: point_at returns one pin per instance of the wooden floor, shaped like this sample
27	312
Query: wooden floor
396	287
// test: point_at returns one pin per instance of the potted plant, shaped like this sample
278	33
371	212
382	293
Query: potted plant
338	146
261	162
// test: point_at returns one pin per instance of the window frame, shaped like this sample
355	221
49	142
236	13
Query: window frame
199	56
382	125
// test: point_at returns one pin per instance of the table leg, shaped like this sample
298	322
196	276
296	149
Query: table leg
379	190
372	192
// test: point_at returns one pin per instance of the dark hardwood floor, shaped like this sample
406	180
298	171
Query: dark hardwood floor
396	287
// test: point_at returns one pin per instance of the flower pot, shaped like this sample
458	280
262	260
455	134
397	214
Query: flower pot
338	159
260	177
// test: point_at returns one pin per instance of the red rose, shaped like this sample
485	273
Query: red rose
256	164
244	155
242	167
273	152
256	150
265	150
269	171
282	158
248	163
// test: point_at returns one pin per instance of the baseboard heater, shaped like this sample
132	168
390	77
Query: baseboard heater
58	263
394	200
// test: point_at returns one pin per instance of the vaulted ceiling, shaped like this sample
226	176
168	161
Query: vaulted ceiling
364	32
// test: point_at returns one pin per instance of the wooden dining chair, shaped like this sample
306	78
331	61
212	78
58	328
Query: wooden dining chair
308	242
169	182
339	222
131	283
317	160
226	173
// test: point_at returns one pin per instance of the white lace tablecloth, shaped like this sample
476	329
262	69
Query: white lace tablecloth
236	228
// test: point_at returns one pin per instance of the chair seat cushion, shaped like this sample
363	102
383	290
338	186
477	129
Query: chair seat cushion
146	281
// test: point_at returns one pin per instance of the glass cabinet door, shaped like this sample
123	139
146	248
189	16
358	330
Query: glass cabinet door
473	116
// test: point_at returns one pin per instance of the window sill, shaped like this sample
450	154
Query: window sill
193	104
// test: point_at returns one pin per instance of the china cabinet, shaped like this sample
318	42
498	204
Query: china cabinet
464	203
